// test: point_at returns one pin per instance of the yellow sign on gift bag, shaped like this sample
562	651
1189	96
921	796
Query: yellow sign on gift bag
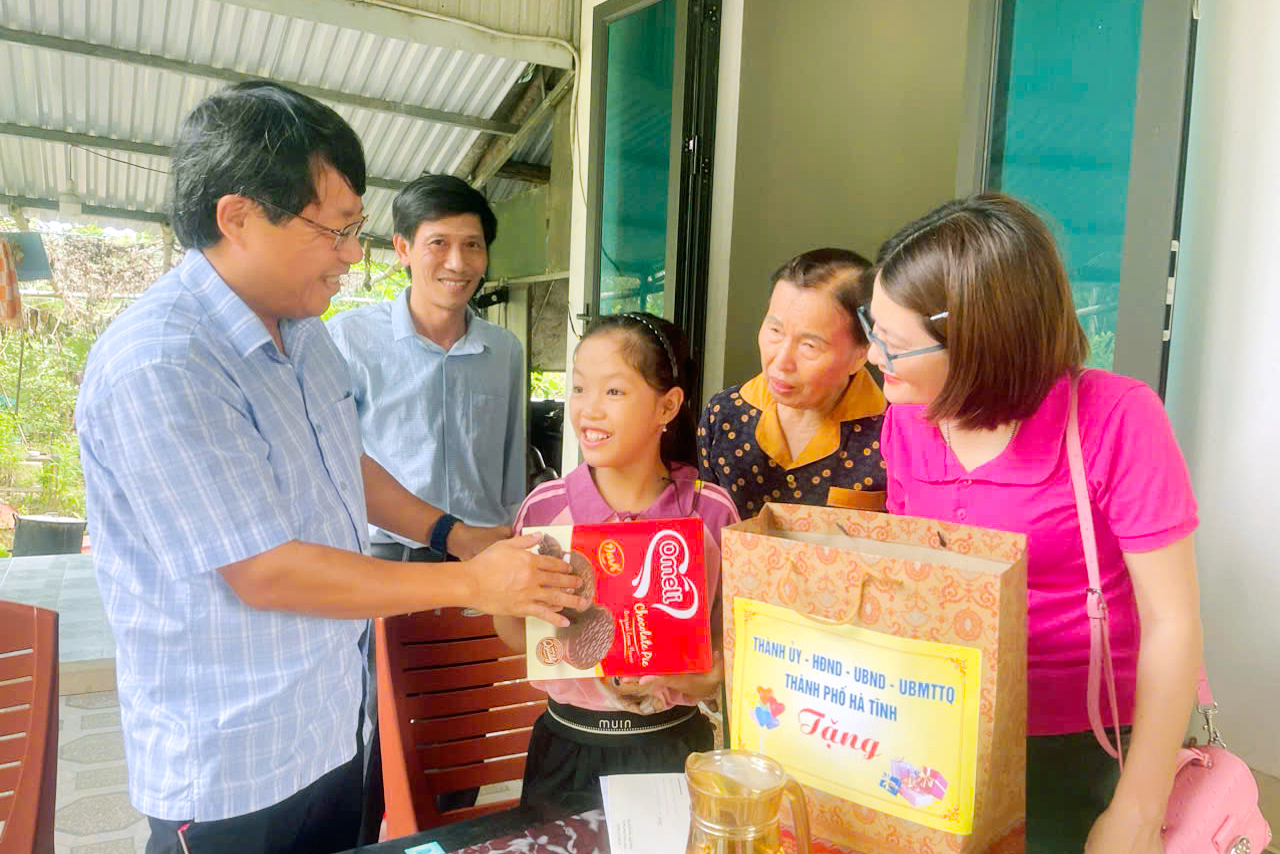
887	722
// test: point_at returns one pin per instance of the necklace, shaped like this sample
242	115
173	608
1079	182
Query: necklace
946	432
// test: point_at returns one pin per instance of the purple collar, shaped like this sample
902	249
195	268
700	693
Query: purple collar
587	506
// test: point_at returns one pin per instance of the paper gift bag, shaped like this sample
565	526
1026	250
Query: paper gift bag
882	660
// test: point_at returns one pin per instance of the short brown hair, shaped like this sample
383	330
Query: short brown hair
840	272
1010	327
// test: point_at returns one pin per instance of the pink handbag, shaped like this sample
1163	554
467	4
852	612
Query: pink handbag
1214	803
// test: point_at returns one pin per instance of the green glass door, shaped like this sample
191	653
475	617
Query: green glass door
653	86
636	166
1088	103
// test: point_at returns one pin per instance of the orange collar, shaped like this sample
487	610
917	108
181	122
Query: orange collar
861	399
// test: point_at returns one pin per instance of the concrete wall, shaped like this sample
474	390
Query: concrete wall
521	247
839	121
533	238
1224	377
533	226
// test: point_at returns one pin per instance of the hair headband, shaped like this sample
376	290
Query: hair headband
662	339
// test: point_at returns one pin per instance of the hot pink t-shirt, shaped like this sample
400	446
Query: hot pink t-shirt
574	499
1142	500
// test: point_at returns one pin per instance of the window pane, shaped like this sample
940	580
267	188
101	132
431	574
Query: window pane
636	167
1062	125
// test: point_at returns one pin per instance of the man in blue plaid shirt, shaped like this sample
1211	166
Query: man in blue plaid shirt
229	497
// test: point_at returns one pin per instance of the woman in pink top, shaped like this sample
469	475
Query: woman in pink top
629	411
973	326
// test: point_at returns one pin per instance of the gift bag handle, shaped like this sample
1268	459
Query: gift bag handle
1100	661
801	582
865	578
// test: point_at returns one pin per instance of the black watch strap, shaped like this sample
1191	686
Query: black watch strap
440	532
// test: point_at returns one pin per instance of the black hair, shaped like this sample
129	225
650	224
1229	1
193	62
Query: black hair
433	197
257	139
658	350
842	273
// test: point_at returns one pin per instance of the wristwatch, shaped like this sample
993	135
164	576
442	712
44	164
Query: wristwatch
440	532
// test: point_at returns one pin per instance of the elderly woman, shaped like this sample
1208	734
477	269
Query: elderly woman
806	429
974	328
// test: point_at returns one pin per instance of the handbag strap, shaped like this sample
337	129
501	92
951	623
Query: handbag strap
1100	660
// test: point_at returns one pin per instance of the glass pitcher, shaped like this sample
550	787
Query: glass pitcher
734	797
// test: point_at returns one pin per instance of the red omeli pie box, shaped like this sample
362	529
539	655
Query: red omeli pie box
650	613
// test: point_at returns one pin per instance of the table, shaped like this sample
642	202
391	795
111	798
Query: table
582	831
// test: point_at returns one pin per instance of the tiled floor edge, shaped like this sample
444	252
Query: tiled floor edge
86	677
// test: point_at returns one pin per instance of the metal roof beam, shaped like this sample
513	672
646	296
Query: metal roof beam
84	140
406	25
496	157
107	212
512	170
98	51
530	172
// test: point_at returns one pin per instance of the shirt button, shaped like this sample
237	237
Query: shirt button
344	488
962	513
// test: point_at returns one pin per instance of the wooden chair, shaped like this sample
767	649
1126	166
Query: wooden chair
454	712
28	726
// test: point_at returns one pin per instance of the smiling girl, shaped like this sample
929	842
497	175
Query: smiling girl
629	410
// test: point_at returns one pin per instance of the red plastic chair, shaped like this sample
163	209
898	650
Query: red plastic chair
28	726
454	712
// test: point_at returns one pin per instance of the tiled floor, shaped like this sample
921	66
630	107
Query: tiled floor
93	815
64	583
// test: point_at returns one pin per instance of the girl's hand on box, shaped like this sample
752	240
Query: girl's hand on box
695	686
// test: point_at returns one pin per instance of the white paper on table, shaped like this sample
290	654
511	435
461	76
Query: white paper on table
646	813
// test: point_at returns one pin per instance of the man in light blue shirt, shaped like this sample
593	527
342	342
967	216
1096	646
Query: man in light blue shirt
439	391
229	498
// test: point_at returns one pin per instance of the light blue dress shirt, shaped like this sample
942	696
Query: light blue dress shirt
448	426
203	445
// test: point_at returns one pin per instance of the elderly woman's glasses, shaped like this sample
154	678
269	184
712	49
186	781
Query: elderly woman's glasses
864	317
340	235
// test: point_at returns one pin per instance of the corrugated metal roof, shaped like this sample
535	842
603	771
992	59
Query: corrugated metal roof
62	91
556	18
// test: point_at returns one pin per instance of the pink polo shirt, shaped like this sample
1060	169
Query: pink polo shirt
574	499
1142	500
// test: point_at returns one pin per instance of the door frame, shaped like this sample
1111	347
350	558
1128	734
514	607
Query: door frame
693	88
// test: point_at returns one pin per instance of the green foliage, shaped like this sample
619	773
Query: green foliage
547	385
95	276
353	286
1097	307
1102	349
39	452
96	273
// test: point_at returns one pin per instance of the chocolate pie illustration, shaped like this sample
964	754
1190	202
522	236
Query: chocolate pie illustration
581	566
550	547
587	639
